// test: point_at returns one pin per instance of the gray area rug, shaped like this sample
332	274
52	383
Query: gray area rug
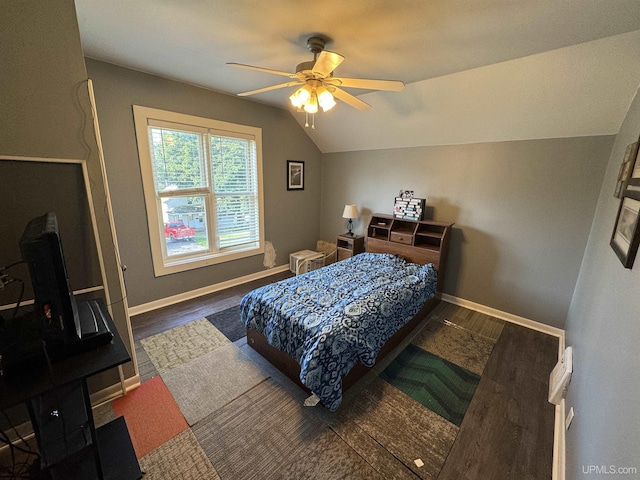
248	422
267	434
406	429
209	382
181	458
228	322
146	368
182	344
455	344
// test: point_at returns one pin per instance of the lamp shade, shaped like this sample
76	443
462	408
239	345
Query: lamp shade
350	211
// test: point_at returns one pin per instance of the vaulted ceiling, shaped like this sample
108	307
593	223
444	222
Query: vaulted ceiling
475	70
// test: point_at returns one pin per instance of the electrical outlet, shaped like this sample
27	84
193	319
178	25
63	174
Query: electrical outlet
569	418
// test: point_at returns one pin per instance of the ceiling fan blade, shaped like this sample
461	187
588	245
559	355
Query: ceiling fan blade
350	99
260	69
273	87
327	63
389	85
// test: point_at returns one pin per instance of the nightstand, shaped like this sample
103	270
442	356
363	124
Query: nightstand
349	245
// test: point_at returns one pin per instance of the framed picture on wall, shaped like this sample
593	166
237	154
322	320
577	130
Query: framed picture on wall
635	172
626	235
295	175
628	169
635	175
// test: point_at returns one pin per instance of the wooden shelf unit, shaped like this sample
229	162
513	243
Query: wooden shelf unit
379	227
426	241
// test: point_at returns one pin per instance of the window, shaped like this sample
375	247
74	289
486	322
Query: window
202	182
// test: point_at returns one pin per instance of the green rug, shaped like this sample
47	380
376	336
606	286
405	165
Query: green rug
439	385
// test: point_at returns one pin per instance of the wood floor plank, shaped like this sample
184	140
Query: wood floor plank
402	426
485	325
480	323
508	429
439	310
157	321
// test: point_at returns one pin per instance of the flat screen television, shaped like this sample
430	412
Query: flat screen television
42	250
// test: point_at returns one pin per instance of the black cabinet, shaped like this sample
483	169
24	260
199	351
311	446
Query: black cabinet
57	397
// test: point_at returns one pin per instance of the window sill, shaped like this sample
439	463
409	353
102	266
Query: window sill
185	264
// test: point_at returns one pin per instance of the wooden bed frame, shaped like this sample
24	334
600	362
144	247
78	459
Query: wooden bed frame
291	368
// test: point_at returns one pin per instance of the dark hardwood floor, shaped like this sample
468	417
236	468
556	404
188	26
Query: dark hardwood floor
156	321
508	430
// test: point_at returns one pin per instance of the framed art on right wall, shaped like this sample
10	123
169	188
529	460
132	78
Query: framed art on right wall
626	235
629	168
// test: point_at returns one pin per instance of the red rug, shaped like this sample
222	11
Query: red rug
151	414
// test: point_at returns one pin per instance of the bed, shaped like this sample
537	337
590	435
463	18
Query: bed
324	329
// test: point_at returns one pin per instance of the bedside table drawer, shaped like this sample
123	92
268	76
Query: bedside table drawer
405	238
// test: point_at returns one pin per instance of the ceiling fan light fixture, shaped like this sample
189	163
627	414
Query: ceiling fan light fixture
312	104
301	96
317	86
325	99
310	96
295	101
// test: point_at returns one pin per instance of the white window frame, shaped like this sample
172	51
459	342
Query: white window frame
162	263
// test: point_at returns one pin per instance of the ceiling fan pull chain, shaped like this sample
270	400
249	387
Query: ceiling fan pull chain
313	121
306	119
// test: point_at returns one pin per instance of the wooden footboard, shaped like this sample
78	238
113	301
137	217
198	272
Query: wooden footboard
291	368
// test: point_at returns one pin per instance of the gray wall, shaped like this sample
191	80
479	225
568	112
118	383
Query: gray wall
45	112
522	211
291	217
43	103
24	197
603	326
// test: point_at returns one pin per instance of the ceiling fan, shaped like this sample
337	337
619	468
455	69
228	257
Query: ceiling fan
317	84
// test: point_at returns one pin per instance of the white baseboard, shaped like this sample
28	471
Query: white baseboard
114	391
509	317
216	287
559	462
558	472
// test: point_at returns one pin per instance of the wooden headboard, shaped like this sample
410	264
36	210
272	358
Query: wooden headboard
420	242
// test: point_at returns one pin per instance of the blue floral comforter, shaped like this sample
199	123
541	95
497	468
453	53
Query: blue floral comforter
334	317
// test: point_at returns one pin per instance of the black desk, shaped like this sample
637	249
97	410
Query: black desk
60	411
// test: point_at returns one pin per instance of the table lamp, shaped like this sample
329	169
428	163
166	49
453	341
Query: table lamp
350	212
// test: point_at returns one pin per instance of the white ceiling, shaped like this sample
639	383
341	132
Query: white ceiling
475	70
